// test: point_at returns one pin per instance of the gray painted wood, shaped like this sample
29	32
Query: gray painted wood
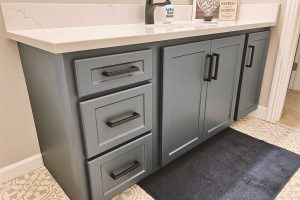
91	80
52	88
221	93
54	107
69	64
251	78
183	91
95	113
103	186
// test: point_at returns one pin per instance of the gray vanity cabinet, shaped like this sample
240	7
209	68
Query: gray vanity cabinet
200	82
223	84
107	118
183	92
252	73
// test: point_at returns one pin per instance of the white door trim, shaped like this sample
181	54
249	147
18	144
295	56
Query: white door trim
284	63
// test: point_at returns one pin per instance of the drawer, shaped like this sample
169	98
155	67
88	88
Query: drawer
112	173
111	120
107	72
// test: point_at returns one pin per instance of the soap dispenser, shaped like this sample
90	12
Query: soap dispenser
169	12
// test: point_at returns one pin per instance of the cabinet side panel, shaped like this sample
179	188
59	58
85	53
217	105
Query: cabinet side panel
56	124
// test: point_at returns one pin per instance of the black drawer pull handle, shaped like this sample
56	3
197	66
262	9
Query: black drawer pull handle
215	77
210	58
134	115
252	55
135	165
120	72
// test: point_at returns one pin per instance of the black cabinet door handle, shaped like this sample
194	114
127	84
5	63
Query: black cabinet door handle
135	165
252	55
210	64
215	77
120	72
134	115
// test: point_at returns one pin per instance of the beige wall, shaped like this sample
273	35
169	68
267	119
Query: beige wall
17	132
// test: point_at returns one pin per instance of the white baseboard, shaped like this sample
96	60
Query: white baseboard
260	113
20	168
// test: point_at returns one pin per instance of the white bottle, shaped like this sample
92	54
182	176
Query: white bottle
169	13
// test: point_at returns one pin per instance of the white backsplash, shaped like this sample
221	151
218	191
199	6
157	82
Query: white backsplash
26	16
260	11
36	16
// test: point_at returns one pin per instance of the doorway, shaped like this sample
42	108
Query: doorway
285	58
291	110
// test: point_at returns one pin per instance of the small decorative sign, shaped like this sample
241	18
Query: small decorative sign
206	9
228	10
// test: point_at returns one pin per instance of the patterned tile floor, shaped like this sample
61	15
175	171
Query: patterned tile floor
39	184
36	185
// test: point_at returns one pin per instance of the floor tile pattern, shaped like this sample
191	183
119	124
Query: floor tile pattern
133	193
39	184
36	185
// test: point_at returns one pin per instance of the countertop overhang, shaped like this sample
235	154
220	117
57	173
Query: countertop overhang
63	28
63	40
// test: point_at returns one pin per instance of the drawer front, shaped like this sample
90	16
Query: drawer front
111	120
112	173
107	72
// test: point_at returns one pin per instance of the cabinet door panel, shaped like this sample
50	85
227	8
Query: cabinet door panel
252	75
182	123
221	93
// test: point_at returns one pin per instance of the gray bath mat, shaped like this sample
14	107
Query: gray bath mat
229	166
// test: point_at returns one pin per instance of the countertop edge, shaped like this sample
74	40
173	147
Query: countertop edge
67	47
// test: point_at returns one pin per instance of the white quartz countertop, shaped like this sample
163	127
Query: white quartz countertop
62	40
78	27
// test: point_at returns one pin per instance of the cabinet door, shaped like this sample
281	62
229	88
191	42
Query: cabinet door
183	90
252	73
222	88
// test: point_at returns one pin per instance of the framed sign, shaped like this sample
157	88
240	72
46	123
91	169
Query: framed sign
228	10
206	9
